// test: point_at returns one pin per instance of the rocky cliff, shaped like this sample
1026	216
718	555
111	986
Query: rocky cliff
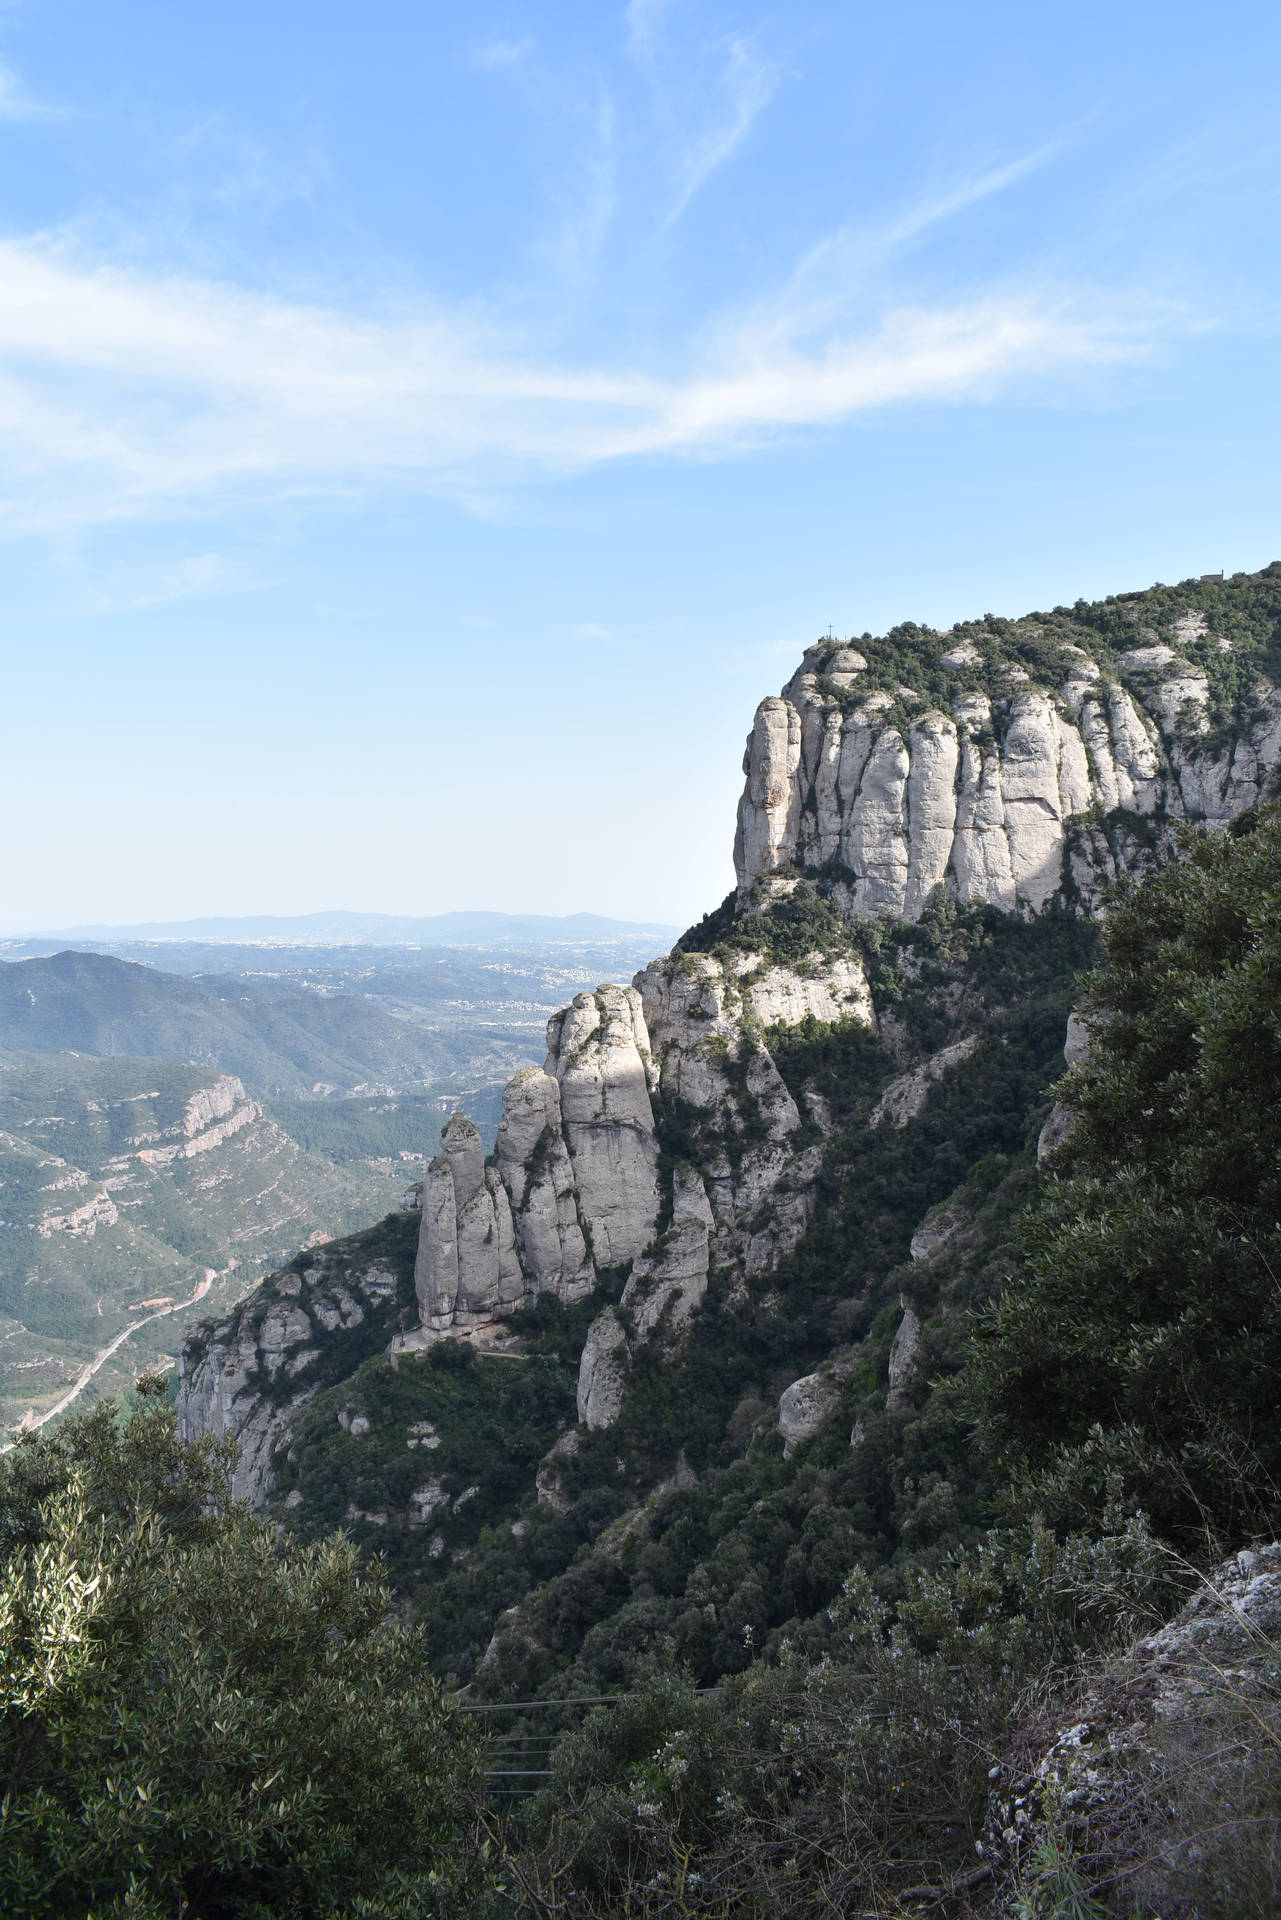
315	1321
579	1187
1028	764
772	1127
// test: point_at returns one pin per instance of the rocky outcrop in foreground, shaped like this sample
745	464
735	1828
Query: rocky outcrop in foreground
1158	1773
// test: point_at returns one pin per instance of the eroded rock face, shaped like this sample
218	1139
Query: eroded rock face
907	1094
805	1407
536	1170
467	1272
598	1050
902	1364
987	800
602	1376
574	1184
248	1376
702	1015
667	1284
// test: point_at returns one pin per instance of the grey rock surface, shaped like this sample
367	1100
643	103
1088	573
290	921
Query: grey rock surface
990	800
235	1378
902	1366
906	1095
599	1053
805	1407
467	1272
602	1373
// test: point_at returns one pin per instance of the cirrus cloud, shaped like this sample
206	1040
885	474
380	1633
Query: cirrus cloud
121	393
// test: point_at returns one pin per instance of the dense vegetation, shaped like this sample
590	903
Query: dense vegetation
1229	629
1144	1335
192	1722
1108	1429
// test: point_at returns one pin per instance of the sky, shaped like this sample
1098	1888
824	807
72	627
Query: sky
427	430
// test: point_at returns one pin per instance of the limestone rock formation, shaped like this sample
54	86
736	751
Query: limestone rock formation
902	1364
664	1288
467	1271
599	1051
248	1376
667	1283
536	1170
603	1371
906	1095
1002	798
704	1015
574	1187
805	1407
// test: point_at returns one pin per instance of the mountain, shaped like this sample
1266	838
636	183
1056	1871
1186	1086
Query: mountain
691	1134
275	1036
385	929
338	1062
782	1346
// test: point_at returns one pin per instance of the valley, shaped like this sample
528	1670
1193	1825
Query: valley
170	1132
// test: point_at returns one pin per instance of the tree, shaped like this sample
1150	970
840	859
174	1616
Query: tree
193	1723
1144	1335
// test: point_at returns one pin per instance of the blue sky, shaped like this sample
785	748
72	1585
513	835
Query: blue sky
427	430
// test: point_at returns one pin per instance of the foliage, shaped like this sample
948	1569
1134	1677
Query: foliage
838	1785
1145	1332
793	927
194	1722
1233	637
465	1431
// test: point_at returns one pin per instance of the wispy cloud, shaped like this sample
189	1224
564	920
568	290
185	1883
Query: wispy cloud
837	281
642	20
197	576
495	54
590	197
121	394
966	193
17	104
747	85
708	94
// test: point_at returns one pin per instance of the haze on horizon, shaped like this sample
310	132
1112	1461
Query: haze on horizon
428	432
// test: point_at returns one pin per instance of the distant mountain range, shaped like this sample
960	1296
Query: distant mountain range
276	1037
386	929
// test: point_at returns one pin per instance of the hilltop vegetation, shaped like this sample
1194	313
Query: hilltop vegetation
1227	629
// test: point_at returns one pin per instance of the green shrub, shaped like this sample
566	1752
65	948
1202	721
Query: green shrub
192	1721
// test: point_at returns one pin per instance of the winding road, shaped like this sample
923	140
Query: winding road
30	1424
